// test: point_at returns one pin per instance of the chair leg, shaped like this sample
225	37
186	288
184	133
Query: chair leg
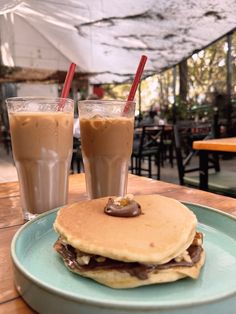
149	166
163	154
135	165
158	166
78	165
132	164
171	156
72	163
139	163
216	162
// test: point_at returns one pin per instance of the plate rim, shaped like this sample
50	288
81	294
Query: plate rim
116	304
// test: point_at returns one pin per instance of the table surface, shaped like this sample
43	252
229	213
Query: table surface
221	144
11	220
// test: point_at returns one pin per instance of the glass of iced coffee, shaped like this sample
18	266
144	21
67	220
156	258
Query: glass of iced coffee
42	137
106	129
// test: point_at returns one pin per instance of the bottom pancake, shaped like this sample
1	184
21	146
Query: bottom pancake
120	275
122	280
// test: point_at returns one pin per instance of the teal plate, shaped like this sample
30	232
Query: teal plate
48	287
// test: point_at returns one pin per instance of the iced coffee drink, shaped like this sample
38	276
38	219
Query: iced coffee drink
107	139
42	149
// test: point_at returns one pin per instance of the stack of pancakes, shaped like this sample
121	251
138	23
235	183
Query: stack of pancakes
160	245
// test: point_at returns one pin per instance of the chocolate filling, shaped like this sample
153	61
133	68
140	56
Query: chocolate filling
69	255
131	209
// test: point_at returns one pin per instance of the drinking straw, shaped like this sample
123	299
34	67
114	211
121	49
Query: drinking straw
136	81
137	78
68	80
67	85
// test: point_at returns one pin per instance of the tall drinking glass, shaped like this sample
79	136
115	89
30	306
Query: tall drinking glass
106	128
42	137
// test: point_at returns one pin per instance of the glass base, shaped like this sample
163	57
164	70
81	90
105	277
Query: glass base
29	216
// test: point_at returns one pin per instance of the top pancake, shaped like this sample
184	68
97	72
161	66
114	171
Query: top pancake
164	231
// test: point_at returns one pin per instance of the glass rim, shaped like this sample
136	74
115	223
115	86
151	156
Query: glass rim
104	101
40	98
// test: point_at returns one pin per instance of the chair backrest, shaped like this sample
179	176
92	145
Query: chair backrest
178	153
183	138
151	137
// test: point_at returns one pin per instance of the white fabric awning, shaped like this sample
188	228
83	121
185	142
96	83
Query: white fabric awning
106	38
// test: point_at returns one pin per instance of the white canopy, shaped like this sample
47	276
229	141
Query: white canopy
106	38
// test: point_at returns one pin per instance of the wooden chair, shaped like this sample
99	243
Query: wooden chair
147	147
76	161
167	152
221	182
6	140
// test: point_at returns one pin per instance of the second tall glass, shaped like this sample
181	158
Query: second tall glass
106	129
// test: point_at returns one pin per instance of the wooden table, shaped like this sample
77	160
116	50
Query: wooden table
213	145
11	220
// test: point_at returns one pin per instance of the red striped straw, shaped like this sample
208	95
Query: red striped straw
136	81
67	85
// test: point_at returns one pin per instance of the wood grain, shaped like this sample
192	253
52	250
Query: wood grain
10	212
17	306
7	288
11	219
223	203
220	144
9	189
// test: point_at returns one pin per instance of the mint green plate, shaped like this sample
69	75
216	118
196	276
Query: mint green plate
48	287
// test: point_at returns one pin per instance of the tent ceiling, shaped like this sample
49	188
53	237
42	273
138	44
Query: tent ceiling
19	74
106	37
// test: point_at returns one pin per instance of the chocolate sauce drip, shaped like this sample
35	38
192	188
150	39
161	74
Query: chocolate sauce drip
138	270
132	209
67	252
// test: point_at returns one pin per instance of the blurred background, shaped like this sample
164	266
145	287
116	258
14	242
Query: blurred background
191	47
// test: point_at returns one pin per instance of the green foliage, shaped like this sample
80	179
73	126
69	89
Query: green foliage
207	72
119	91
206	76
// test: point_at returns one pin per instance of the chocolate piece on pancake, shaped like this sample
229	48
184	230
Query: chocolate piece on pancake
159	245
